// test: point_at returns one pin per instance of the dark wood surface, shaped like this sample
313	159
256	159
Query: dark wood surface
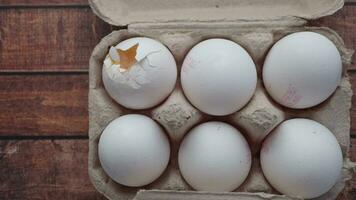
45	169
44	104
44	52
48	39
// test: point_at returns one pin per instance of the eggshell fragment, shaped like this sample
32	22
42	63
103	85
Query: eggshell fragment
143	80
301	158
133	150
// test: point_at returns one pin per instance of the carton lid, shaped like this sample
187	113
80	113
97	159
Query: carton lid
125	12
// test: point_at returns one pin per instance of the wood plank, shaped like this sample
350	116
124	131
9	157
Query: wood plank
344	23
57	104
44	104
53	29
352	75
352	183
45	169
48	39
55	169
42	2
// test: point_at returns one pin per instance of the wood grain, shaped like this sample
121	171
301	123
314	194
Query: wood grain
52	104
352	75
57	169
42	2
57	104
45	169
351	185
48	39
68	36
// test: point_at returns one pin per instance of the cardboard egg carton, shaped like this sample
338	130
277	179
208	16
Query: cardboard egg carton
255	25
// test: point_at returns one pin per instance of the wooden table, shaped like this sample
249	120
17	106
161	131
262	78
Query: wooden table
44	52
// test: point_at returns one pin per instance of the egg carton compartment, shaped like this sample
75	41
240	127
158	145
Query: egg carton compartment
177	116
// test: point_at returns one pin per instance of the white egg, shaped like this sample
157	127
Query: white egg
214	156
302	70
148	82
218	76
133	150
301	158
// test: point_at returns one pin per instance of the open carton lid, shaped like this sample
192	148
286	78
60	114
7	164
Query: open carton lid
125	12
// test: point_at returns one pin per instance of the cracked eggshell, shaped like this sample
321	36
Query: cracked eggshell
146	83
133	150
214	156
302	70
218	76
302	158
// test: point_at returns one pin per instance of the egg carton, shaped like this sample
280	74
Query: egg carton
178	116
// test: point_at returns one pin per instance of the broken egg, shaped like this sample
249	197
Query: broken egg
302	70
133	150
301	158
214	156
139	73
218	77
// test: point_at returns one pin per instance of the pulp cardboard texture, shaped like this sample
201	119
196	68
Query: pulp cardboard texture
125	12
256	34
